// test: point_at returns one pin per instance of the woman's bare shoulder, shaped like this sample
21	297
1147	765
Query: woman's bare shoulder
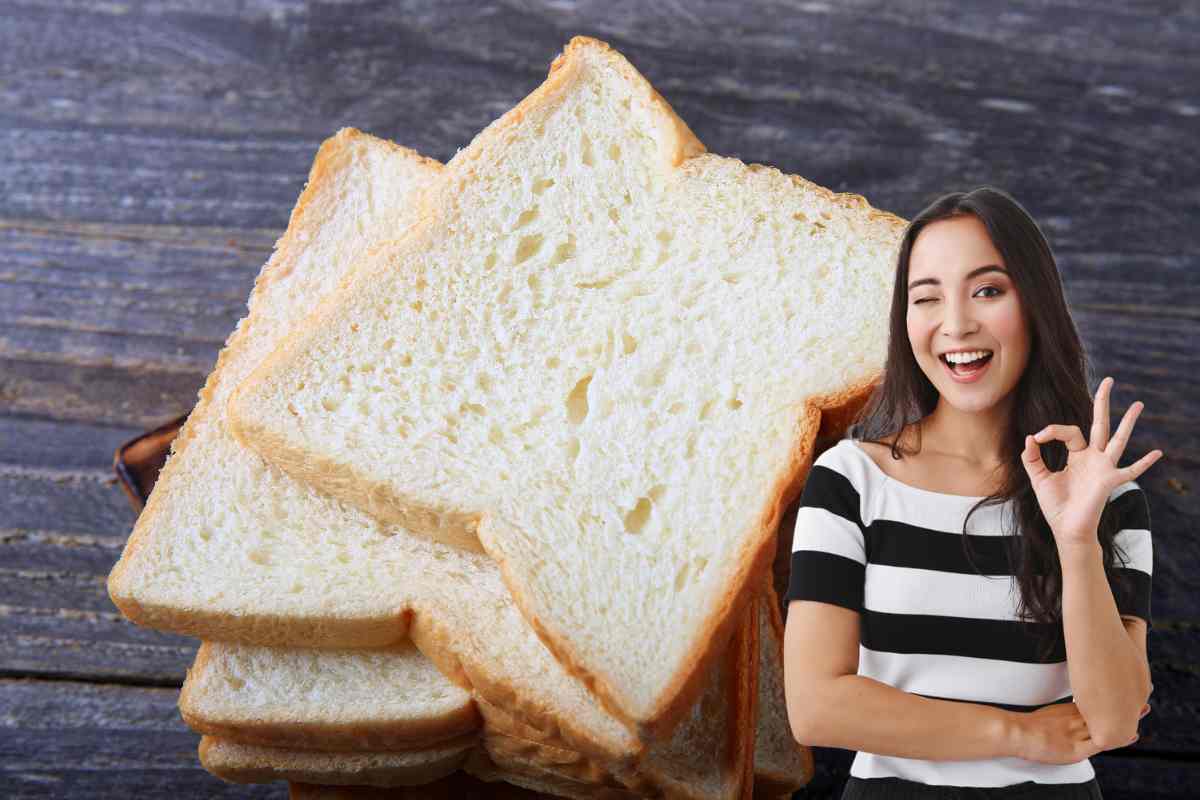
881	451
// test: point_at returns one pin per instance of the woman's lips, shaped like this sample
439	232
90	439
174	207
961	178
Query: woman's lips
970	377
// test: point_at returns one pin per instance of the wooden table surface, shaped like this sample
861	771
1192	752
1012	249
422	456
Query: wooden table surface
150	154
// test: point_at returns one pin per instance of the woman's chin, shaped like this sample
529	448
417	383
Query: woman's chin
969	398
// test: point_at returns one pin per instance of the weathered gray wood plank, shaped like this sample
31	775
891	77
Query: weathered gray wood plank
39	443
64	739
101	390
61	533
92	646
82	501
221	110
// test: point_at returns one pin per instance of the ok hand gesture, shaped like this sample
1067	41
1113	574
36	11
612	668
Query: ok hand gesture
1073	498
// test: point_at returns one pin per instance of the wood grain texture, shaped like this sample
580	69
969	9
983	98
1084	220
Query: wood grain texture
150	154
63	739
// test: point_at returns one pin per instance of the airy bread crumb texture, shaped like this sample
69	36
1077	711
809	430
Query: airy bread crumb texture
597	360
693	764
248	763
230	548
389	699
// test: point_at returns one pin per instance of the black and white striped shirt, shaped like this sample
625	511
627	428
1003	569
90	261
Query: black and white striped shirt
932	624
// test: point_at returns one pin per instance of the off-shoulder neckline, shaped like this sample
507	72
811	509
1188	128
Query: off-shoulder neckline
854	445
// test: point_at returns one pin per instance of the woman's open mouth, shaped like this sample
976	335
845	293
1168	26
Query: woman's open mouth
967	371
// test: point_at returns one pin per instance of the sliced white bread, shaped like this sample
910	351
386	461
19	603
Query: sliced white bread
781	764
229	548
600	357
707	755
456	786
491	758
390	699
682	768
521	766
268	696
252	763
360	700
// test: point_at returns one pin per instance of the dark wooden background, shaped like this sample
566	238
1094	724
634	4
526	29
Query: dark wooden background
150	155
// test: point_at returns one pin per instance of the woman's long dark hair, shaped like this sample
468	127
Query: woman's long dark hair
1052	390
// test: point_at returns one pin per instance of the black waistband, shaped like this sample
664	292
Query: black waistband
892	788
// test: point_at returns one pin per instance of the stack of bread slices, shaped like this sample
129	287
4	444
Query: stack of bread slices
489	477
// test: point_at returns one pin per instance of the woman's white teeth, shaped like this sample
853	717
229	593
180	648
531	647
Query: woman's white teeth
963	358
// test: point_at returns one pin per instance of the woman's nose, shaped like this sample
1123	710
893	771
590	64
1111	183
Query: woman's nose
957	320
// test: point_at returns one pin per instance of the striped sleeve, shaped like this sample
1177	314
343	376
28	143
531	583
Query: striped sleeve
828	547
1130	579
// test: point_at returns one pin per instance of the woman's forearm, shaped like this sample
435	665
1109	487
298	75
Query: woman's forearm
1108	679
854	712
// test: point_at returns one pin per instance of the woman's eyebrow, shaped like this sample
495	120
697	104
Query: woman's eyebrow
971	274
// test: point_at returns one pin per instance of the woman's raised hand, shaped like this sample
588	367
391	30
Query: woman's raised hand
1073	498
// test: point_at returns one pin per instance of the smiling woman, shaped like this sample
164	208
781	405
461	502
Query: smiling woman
965	322
941	499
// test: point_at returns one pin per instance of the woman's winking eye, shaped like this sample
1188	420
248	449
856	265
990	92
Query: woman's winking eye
998	291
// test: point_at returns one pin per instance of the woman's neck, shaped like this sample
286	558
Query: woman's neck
975	437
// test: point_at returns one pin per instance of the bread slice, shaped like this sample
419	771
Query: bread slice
228	548
600	357
690	765
492	758
781	764
255	694
692	762
251	763
455	786
517	764
323	700
390	699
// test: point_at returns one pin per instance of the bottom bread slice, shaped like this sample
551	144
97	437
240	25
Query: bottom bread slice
455	786
697	762
339	700
781	764
499	759
708	755
251	763
361	700
298	695
490	758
